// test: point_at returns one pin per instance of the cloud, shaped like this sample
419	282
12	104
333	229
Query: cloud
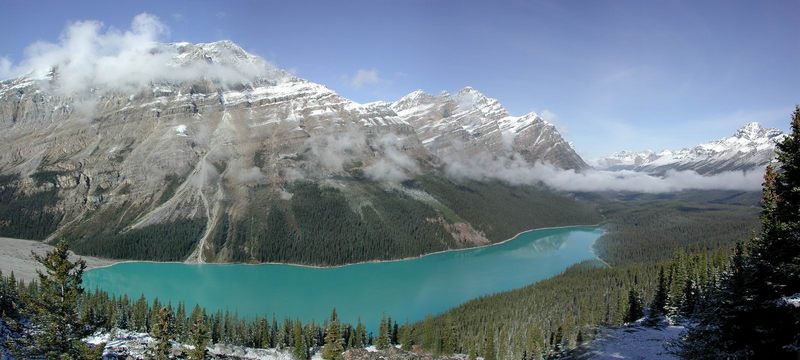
395	165
91	56
363	77
333	151
516	171
5	68
553	118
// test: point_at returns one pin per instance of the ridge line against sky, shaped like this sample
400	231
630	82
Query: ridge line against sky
612	75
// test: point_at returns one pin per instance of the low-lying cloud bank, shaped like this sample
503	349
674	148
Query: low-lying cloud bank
90	56
514	170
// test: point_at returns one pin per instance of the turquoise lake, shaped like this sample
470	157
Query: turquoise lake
406	290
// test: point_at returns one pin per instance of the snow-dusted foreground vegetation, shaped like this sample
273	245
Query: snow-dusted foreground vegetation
635	341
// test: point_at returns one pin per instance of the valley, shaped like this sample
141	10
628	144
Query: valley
224	205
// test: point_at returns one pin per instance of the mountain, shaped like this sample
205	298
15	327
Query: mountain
750	147
204	152
469	123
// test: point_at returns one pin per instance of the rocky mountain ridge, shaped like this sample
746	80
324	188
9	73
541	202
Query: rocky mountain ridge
231	159
751	146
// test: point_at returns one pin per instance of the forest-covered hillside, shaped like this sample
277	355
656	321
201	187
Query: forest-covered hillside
688	235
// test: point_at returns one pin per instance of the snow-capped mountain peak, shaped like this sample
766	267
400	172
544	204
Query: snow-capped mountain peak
751	146
448	123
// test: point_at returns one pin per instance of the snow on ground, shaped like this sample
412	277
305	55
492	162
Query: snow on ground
793	300
633	342
180	130
124	344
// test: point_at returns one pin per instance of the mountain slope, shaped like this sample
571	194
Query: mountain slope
226	158
750	147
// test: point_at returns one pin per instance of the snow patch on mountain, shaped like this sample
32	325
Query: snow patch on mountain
752	146
469	123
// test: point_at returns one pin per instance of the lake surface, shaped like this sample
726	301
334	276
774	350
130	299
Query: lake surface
406	290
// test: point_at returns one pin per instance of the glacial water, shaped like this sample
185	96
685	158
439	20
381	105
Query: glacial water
406	290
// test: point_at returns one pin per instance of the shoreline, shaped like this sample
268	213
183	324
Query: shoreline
15	256
598	225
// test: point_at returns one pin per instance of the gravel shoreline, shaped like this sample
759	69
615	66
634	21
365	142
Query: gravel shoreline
15	255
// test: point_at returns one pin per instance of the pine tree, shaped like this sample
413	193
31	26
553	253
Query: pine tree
383	335
635	311
273	333
154	314
395	334
489	352
360	335
162	333
449	338
180	322
333	339
300	350
677	278
139	315
775	254
747	316
54	311
659	303
408	337
200	336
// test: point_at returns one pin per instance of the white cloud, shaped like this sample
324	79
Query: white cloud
5	68
333	151
516	171
553	118
363	77
395	165
90	55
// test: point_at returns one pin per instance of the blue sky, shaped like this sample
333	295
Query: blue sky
616	74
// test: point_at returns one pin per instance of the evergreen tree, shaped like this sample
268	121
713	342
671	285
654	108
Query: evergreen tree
180	322
200	337
300	350
635	311
273	333
54	310
677	278
408	337
395	334
659	303
383	340
489	352
747	316
9	297
139	315
333	339
153	317
162	333
449	338
360	335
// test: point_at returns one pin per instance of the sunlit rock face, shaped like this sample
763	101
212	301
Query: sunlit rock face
750	147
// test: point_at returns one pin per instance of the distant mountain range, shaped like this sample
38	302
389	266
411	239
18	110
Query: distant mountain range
750	147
